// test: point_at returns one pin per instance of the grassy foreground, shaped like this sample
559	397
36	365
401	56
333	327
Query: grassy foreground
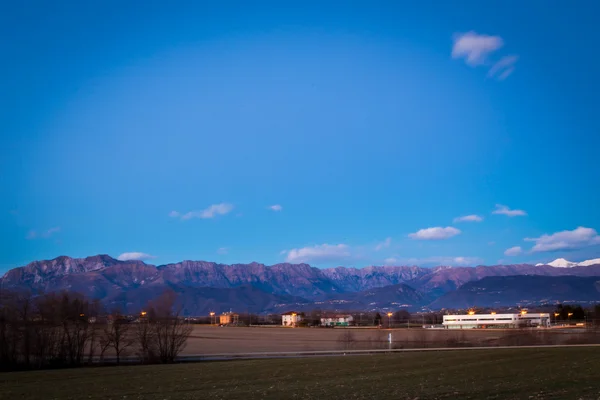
572	373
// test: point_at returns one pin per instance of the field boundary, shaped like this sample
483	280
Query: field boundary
331	353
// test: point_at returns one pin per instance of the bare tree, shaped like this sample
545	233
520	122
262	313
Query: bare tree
170	331
42	331
146	341
117	335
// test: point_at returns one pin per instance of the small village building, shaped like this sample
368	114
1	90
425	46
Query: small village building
336	320
291	318
229	318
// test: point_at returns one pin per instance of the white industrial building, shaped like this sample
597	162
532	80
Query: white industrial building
474	321
336	320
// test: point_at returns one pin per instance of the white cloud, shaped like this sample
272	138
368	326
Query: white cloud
506	73
464	260
222	250
504	67
210	212
384	245
320	253
504	210
468	218
441	260
566	240
134	255
475	48
435	233
33	234
51	232
390	261
276	207
513	251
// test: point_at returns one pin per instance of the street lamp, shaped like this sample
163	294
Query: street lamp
523	312
212	318
471	312
293	319
569	315
556	315
389	320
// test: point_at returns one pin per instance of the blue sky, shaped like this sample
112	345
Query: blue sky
171	130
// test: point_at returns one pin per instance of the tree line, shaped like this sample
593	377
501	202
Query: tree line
67	330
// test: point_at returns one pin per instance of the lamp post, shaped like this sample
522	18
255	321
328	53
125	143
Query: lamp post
569	315
389	320
212	318
294	319
556	315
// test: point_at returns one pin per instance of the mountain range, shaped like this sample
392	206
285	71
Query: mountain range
207	286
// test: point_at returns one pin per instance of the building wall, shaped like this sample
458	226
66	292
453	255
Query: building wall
290	320
340	321
496	320
225	319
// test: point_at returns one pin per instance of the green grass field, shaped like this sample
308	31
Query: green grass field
572	373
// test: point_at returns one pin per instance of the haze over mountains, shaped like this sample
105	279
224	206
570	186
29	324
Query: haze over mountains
207	286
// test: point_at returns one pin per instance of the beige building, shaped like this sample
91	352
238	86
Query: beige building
291	318
229	318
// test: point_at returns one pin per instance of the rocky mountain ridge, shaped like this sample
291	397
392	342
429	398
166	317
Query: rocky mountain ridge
125	283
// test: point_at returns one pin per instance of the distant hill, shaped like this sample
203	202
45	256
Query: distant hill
530	289
203	300
449	279
393	297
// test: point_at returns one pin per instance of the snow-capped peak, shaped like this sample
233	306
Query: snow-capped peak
589	262
562	263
